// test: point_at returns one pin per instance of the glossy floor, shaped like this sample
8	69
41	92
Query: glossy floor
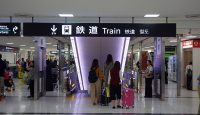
56	103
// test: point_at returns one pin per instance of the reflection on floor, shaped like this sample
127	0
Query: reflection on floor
57	103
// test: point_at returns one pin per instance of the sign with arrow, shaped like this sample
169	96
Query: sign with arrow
100	29
10	29
53	30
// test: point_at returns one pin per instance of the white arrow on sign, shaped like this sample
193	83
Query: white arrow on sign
53	30
15	29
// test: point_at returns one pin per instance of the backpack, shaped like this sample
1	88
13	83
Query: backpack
189	72
92	78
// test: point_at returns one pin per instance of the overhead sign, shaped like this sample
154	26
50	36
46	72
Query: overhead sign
99	29
8	49
10	29
187	44
191	44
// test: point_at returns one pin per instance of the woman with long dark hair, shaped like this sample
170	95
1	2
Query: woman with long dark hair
108	66
95	88
115	75
148	79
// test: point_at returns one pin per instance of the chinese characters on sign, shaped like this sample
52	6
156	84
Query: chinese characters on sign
93	30
98	29
144	31
80	30
130	31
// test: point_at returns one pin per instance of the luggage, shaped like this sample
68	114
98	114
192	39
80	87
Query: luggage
128	98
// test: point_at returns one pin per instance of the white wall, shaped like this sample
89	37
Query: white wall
9	56
196	67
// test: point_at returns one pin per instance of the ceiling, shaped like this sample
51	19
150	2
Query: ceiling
96	8
100	8
28	41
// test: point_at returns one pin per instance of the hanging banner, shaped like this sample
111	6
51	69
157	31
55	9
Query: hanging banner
99	29
10	29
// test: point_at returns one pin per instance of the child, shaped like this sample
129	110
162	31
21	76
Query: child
8	80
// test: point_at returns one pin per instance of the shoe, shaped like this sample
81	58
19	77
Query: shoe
113	107
94	103
118	106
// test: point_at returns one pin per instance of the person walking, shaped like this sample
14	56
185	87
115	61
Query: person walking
114	81
2	70
148	79
95	87
189	75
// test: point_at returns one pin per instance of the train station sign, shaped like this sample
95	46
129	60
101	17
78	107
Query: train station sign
99	29
10	29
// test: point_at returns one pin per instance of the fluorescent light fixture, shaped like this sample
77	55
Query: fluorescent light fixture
48	43
66	15
21	49
127	40
173	41
22	45
55	45
73	42
190	36
32	47
151	15
9	43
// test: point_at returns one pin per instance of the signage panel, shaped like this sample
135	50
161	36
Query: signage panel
187	44
99	29
191	44
10	29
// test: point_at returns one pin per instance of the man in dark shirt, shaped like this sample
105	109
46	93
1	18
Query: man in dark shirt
2	70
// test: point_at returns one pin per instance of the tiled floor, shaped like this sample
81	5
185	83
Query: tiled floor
54	103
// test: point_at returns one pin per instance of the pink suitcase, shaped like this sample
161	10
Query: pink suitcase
128	98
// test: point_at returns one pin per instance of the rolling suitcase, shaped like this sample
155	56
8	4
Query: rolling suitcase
128	98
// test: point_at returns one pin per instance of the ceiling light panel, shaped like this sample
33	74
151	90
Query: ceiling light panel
151	15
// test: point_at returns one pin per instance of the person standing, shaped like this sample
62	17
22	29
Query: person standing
148	79
31	79
2	70
114	81
95	88
108	66
189	75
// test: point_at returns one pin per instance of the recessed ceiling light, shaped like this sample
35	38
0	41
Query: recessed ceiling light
66	15
9	43
173	41
151	15
22	45
48	43
32	47
55	45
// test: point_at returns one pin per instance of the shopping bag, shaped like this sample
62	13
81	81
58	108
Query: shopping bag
107	91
